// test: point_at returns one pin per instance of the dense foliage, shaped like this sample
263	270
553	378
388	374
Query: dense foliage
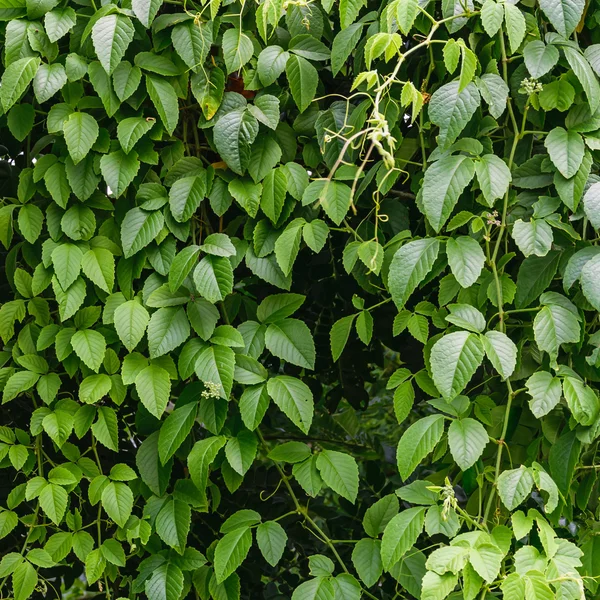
300	299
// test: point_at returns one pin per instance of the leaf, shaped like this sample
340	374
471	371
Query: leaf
303	79
175	430
294	398
90	346
545	392
138	229
271	539
514	486
279	306
566	150
540	58
145	10
192	41
533	237
215	365
131	320
16	79
582	400
366	558
335	199
466	259
563	14
165	583
444	182
454	360
234	133
24	580
111	36
535	275
291	340
554	326
451	111
467	439
271	64
153	385
493	177
130	131
168	328
563	457
66	260
343	45
241	451
237	49
339	334
231	551
417	442
48	80
117	501
214	278
98	264
515	26
340	472
409	267
119	170
165	100
53	501
173	523
185	196
501	351
590	286
492	15
400	535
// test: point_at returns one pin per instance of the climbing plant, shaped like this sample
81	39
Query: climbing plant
300	299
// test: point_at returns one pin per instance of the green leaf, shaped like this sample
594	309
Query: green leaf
214	278
253	405
294	398
467	439
563	14
492	15
131	130
515	26
139	228
153	385
175	430
335	198
339	334
66	260
514	486
555	325
400	535
111	36
343	45
237	49
340	472
380	514
540	58
215	365
152	472
185	197
493	177
454	360
566	150
533	237
545	392
201	457
271	539
145	10
241	451
53	501
366	558
90	347
451	111
444	182
30	221
192	41
303	79
291	340
563	457
271	64
234	133
231	551
585	74
417	442
590	285
279	306
48	80
16	79
409	267
24	580
117	501
166	582
173	523
165	101
106	429
466	259
501	351
582	400
119	170
535	275
168	328
98	265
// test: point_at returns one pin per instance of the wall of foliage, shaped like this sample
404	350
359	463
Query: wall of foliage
300	299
